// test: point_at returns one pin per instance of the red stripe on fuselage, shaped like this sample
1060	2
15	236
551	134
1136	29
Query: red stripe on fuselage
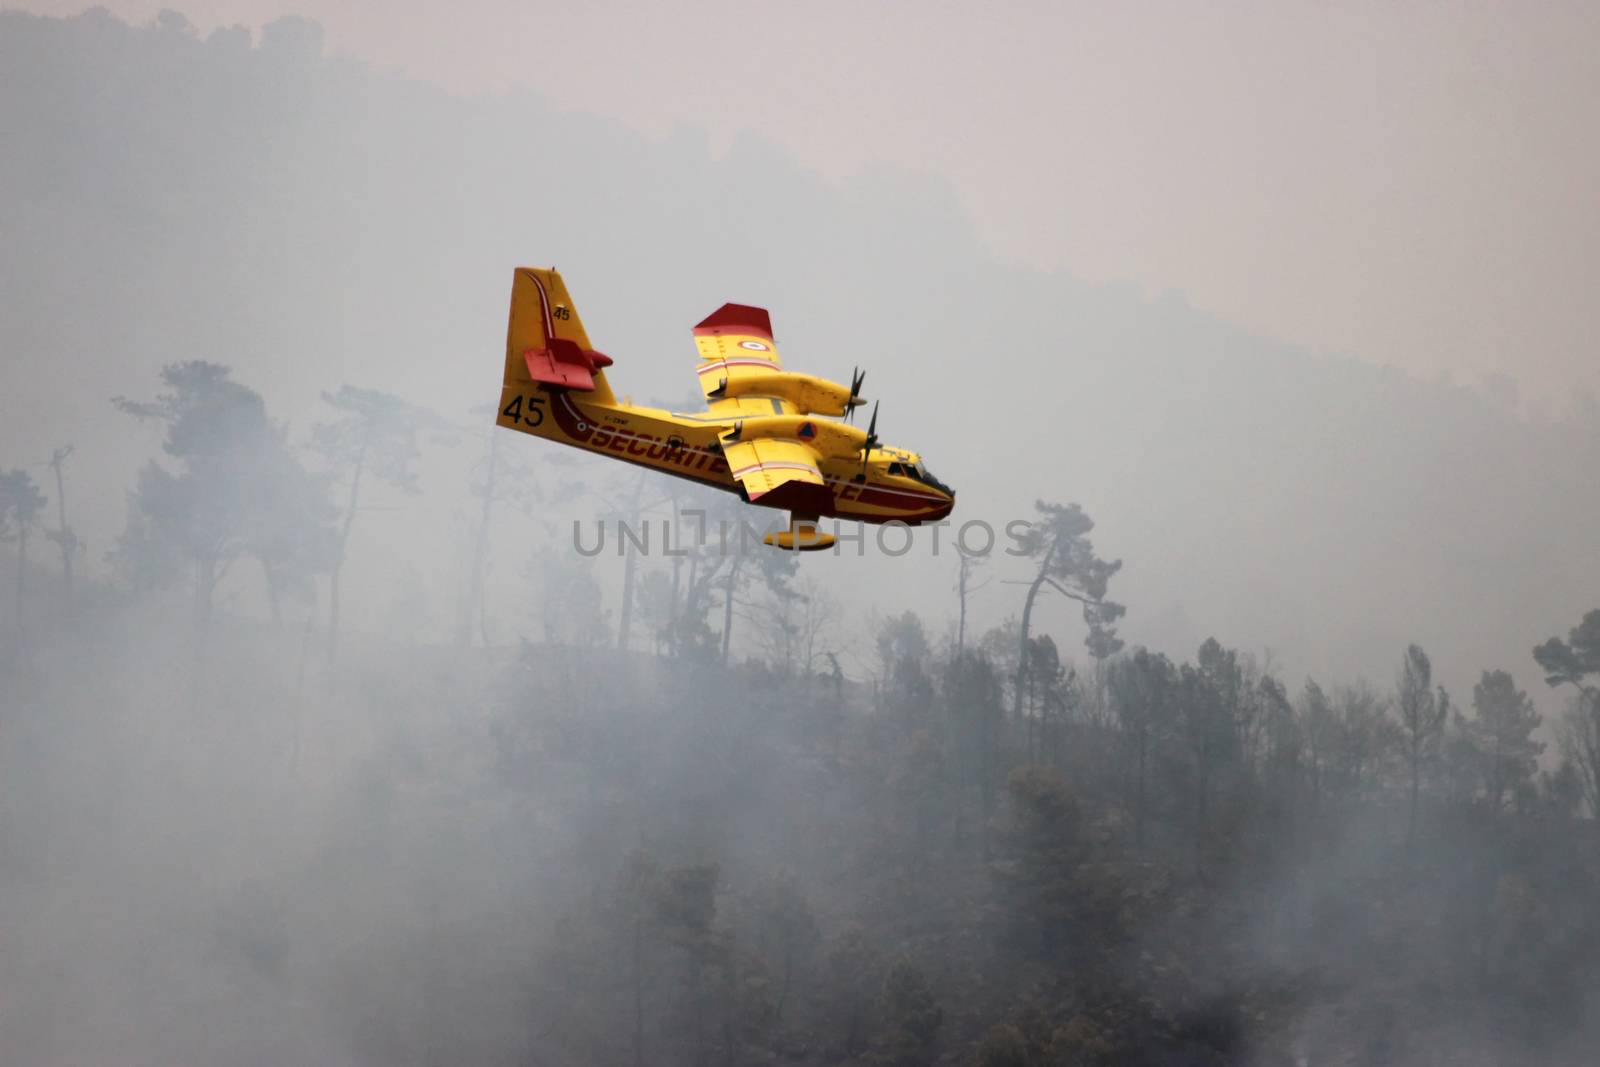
707	466
693	461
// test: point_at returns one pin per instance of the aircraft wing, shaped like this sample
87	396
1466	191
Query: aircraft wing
735	341
784	472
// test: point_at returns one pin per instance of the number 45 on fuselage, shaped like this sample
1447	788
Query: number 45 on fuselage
775	437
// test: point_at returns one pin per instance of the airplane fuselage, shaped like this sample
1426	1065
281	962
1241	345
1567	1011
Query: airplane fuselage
687	446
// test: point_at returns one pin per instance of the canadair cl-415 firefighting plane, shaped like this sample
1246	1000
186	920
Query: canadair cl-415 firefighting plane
770	435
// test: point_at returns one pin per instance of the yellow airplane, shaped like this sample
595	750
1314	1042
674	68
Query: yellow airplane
770	435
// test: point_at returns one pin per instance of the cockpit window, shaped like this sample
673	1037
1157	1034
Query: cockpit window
921	474
895	468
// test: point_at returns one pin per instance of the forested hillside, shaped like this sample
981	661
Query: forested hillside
564	854
234	839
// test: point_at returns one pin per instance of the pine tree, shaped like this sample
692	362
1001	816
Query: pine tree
1501	736
375	435
1060	543
1423	713
1576	662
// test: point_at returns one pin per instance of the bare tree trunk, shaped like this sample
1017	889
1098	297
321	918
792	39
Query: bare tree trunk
1029	709
299	694
68	542
1586	747
22	569
677	581
691	591
338	563
207	573
1411	822
727	607
625	624
986	772
961	590
333	610
1203	789
23	648
1027	622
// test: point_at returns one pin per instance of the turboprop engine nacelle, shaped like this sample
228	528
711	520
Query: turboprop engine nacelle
810	394
832	439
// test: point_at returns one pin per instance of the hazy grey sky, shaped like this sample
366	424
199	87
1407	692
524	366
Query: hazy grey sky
1412	183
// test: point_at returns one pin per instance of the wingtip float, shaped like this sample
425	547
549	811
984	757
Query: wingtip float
776	438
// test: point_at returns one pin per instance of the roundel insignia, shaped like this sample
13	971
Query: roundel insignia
754	346
807	431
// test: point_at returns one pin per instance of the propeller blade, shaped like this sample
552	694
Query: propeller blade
857	376
870	443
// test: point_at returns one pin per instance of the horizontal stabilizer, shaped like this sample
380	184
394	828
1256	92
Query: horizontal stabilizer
566	364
